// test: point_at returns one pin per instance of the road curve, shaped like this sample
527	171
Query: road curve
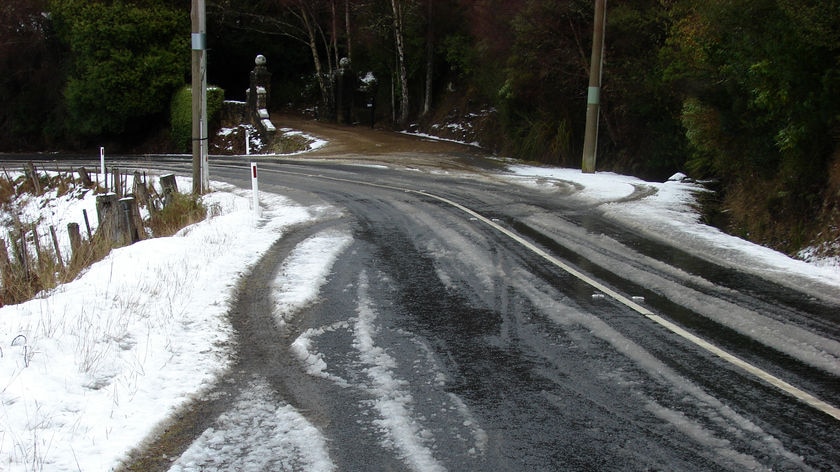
442	343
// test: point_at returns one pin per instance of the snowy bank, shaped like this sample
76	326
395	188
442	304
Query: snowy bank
99	362
668	212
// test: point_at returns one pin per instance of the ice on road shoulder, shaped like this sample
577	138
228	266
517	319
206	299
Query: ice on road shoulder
258	433
668	212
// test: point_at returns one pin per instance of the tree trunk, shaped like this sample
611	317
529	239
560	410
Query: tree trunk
347	30
334	39
430	58
403	74
316	58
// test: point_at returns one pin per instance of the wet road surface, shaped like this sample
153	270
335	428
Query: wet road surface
439	343
443	345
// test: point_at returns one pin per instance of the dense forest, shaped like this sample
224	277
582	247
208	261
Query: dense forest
742	94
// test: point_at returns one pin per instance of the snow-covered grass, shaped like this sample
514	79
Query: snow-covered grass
286	142
89	369
98	362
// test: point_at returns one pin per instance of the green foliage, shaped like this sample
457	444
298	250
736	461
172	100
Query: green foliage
761	81
543	77
181	115
774	93
127	59
460	54
541	94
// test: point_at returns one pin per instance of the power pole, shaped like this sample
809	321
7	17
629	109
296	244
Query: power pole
199	98
593	100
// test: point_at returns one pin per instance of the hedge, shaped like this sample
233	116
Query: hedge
181	115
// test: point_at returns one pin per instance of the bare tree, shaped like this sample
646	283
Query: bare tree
430	56
310	26
348	30
300	20
397	7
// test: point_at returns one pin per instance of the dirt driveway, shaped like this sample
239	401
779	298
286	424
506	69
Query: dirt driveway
365	144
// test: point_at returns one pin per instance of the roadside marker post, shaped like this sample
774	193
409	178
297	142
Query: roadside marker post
255	189
102	164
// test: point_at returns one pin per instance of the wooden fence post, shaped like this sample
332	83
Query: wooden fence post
116	181
5	271
169	186
36	240
129	209
140	191
56	246
20	251
75	241
108	212
84	177
5	265
87	224
32	174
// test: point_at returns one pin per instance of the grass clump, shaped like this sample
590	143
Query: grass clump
290	143
181	210
7	191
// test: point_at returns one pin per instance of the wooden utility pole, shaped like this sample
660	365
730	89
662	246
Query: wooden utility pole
199	97
593	100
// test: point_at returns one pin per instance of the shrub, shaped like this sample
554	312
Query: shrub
183	210
181	115
7	191
125	60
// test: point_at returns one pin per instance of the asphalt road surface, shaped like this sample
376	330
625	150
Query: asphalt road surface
471	325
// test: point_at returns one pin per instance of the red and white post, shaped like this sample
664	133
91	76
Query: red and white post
255	189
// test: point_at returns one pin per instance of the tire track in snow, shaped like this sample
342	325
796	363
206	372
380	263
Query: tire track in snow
392	401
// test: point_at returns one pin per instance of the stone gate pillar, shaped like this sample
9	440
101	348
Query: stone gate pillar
259	93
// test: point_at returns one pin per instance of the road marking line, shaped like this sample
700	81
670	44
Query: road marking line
797	393
756	371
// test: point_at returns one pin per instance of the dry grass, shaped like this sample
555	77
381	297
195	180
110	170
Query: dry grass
827	241
7	191
183	210
24	277
289	143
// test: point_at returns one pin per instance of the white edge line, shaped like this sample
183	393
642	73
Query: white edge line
801	395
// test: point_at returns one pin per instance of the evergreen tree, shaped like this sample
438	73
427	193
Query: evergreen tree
127	59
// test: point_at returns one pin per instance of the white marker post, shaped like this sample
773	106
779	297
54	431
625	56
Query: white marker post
102	164
254	187
247	141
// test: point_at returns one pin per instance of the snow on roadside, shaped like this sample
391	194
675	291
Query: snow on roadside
667	211
258	433
50	210
105	358
300	277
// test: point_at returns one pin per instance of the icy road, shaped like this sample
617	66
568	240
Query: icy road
466	323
